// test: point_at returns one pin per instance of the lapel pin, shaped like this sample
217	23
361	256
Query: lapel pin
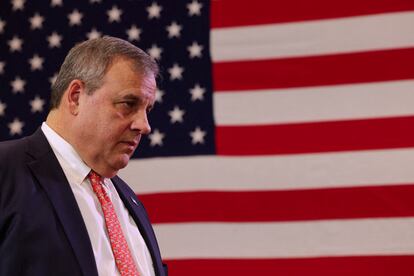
133	200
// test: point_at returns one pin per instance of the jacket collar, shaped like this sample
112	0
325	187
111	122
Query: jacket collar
45	167
138	213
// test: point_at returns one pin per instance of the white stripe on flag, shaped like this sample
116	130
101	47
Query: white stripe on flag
325	170
287	239
319	37
327	103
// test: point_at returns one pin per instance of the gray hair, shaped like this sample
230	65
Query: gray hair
90	60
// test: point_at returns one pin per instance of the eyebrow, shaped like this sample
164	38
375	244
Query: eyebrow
133	97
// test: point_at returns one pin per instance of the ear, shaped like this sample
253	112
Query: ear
73	93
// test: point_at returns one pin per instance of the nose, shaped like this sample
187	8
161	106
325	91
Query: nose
140	123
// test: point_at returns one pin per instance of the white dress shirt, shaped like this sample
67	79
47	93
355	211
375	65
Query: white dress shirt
76	172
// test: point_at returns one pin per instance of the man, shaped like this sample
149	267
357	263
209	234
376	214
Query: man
63	210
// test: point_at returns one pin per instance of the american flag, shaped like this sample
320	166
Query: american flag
282	139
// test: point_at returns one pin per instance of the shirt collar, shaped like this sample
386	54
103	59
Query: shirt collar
65	152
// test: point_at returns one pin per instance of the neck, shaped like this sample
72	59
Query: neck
56	122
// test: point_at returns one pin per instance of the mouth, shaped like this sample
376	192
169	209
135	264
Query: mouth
131	145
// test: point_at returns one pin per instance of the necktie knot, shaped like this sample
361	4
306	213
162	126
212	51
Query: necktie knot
95	178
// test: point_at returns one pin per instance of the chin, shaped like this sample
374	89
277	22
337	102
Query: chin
121	162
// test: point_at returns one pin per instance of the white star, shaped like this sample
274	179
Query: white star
55	3
176	115
52	79
15	44
176	72
197	93
36	22
16	127
95	1
154	10
36	63
75	18
2	65
2	25
155	52
18	85
2	108
197	136
158	95
174	30
54	40
156	138
195	50
133	33
194	8
37	104
93	34
18	5
114	14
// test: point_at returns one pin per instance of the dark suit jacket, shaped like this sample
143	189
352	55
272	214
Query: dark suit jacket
41	228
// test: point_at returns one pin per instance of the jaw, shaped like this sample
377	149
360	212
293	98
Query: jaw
109	165
118	162
110	160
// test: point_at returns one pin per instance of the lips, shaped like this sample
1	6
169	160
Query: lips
131	143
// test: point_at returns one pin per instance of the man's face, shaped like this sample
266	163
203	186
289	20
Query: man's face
110	122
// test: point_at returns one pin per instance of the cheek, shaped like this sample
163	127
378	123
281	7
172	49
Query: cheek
108	126
112	131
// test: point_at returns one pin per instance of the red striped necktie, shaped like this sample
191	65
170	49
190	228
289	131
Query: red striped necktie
123	257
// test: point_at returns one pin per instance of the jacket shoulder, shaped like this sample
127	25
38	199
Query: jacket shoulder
11	151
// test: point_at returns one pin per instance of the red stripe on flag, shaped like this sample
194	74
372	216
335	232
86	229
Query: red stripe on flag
338	266
314	71
288	205
315	137
230	13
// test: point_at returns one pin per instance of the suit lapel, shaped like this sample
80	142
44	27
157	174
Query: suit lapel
49	174
138	213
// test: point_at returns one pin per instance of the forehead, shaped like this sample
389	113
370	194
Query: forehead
123	77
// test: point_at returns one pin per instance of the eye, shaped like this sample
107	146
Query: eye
129	104
126	106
